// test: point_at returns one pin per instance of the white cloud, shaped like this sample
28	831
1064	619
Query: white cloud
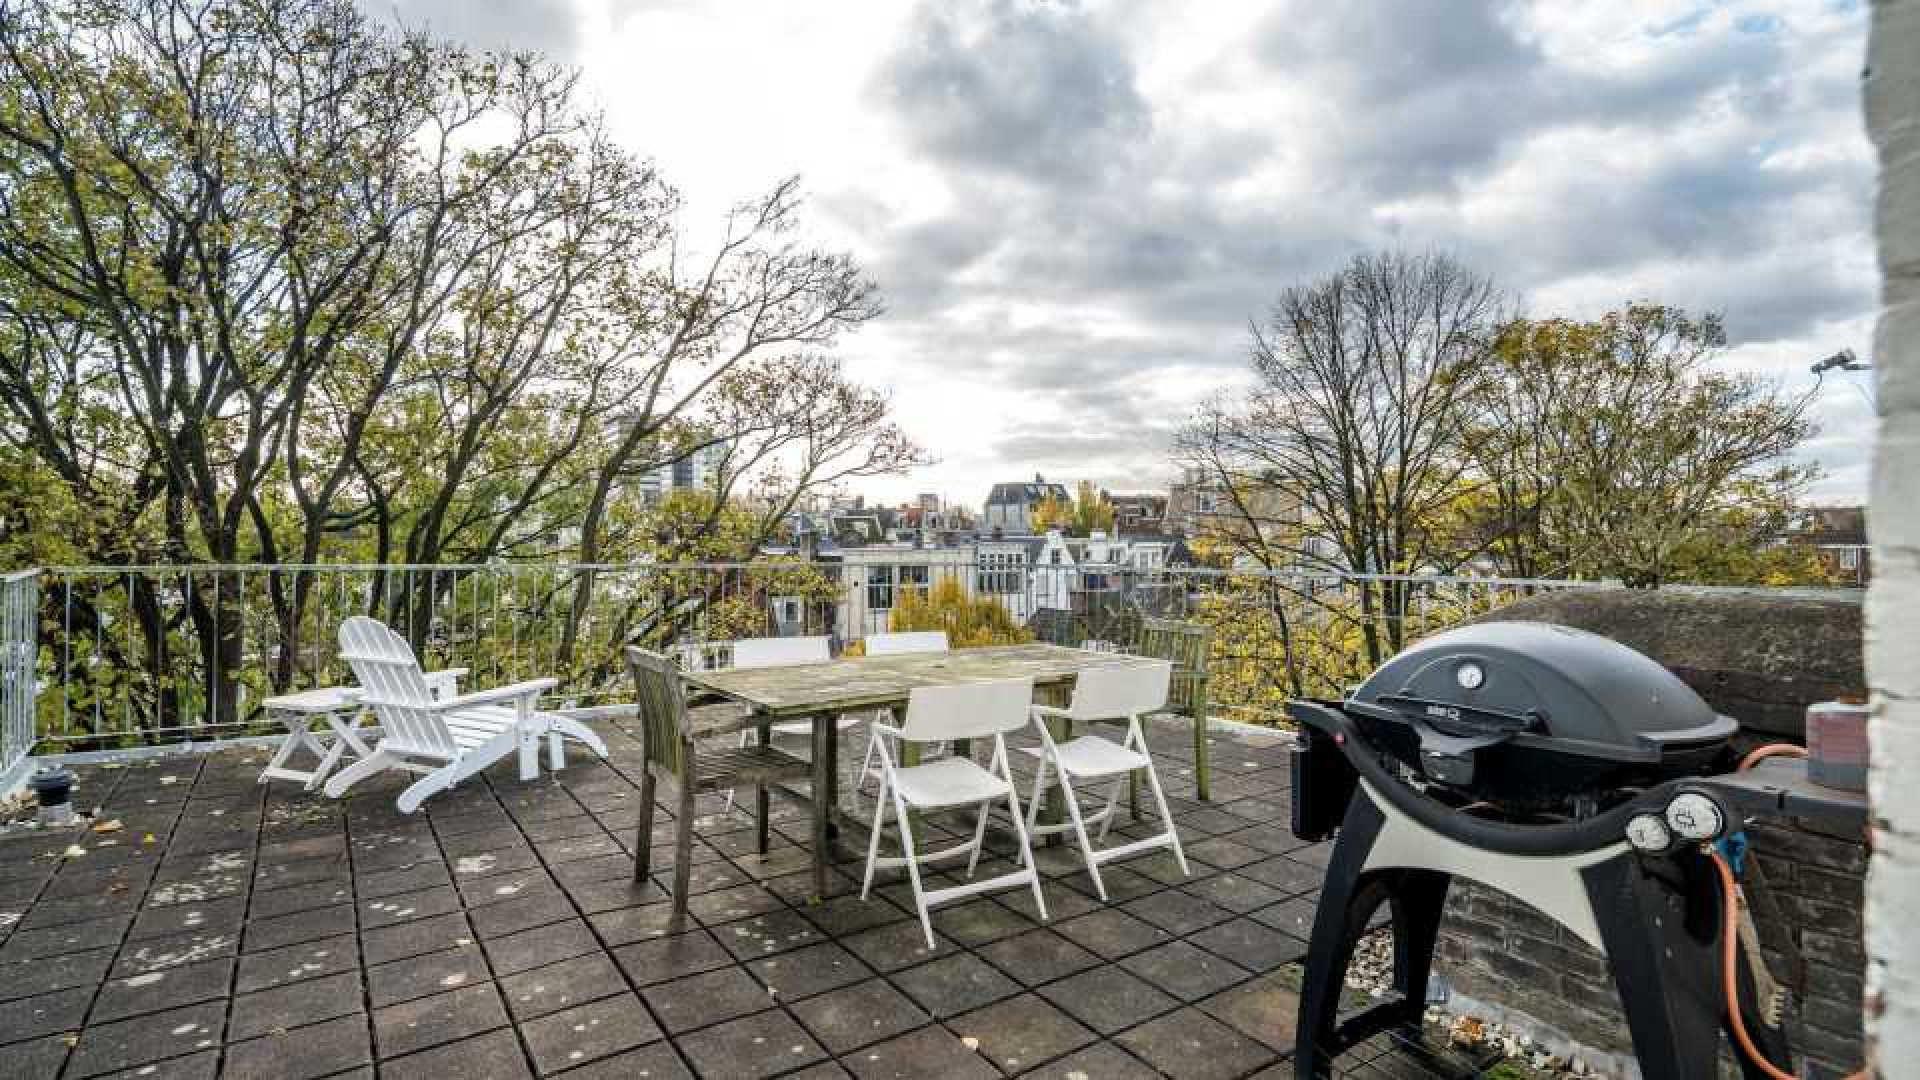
1074	209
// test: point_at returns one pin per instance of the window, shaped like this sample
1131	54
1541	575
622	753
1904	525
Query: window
879	588
1001	572
885	582
915	578
1849	558
1204	502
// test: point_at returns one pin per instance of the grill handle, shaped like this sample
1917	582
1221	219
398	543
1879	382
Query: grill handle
1478	717
1602	830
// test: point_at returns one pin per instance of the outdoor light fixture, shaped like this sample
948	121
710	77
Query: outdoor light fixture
53	789
1844	360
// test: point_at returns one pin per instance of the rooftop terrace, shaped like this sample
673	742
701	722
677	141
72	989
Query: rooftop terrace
234	928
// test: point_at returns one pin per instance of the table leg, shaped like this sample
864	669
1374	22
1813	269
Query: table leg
1053	806
823	727
832	724
285	749
346	736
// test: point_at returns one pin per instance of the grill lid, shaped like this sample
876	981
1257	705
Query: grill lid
1540	687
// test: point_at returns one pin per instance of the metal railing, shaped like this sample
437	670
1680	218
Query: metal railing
19	664
109	657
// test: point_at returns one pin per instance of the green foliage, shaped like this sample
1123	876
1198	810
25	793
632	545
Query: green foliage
968	620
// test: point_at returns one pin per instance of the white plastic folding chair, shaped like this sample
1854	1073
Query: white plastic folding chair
449	738
897	644
1104	693
907	641
936	713
785	652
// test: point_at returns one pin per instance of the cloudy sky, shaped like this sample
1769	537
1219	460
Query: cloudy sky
1073	209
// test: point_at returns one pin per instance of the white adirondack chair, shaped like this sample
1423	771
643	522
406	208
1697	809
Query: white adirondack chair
447	738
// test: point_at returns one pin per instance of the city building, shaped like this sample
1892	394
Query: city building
1009	507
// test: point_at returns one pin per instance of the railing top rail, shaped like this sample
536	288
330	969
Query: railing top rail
782	562
19	575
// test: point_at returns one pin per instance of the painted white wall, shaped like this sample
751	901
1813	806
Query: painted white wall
1893	600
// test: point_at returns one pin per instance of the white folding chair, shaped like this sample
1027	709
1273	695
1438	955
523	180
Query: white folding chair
449	738
908	641
935	713
898	644
785	652
1104	693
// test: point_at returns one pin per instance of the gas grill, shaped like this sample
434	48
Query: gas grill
1553	764
1535	715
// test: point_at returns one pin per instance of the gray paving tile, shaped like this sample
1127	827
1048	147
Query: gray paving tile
667	958
495	1055
35	977
62	1010
169	988
1112	933
655	1061
699	1000
105	1048
558	986
423	1022
954	984
534	948
860	1014
309	960
1039	956
585	1033
432	973
1263	1009
323	1049
803	972
1019	1033
1109	999
751	1047
1190	1045
416	938
1185	971
1103	1061
307	1001
929	1053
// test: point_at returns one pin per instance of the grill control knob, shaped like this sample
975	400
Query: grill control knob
1649	833
1695	817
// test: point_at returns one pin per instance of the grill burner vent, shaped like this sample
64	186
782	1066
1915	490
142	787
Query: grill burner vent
1533	715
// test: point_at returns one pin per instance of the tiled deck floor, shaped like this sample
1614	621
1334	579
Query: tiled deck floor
238	929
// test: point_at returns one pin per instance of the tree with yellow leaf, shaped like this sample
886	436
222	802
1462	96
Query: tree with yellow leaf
968	620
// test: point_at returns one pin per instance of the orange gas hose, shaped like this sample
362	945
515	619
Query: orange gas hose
1730	941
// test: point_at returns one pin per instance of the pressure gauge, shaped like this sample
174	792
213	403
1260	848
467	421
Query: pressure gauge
1470	676
1649	833
1695	817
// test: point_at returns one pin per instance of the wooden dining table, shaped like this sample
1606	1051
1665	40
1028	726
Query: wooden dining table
822	693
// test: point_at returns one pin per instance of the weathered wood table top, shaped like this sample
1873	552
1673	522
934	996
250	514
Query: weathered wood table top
867	682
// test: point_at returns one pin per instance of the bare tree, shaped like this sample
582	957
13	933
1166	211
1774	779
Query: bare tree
1347	453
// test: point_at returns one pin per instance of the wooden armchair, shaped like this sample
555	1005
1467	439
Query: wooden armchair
1186	646
669	728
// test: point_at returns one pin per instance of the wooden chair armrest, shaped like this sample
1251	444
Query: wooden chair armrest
516	692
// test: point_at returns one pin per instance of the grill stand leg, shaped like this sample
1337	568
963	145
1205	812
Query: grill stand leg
1659	925
1415	899
1660	922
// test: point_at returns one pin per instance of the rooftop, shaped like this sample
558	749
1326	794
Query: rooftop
254	930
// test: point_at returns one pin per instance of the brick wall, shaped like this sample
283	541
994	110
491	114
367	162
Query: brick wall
1511	963
1893	623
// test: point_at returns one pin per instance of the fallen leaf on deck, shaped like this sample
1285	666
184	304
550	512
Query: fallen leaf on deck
109	826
